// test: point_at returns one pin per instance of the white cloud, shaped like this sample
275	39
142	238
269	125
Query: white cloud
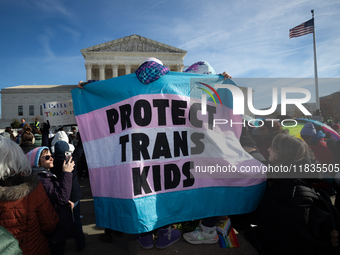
75	34
44	40
54	6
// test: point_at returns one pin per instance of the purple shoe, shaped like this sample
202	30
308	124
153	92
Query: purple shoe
145	240
167	236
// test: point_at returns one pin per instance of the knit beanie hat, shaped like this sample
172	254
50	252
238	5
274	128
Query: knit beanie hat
308	129
200	67
60	147
150	71
34	155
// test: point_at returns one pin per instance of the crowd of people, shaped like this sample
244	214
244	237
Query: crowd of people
40	192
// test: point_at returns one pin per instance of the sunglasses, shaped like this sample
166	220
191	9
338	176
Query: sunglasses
47	157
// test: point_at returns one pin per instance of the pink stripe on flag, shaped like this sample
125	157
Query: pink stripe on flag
94	125
117	181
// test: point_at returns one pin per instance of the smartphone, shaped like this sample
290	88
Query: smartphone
68	155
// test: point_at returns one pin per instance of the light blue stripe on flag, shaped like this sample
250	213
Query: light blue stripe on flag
100	94
148	213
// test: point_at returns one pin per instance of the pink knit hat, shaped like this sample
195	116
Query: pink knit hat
34	155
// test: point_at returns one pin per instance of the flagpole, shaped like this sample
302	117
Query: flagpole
317	99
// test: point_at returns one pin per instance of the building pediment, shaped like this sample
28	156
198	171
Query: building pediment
133	43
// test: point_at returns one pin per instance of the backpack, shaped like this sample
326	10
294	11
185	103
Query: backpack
323	220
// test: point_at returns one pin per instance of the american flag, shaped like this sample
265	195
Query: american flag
303	29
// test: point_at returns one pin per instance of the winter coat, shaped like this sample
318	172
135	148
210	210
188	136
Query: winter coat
283	224
76	193
38	140
9	245
59	195
72	139
27	147
44	134
27	213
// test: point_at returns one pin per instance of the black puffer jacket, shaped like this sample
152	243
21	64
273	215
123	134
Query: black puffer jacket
283	218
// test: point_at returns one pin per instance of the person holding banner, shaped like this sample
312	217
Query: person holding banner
148	198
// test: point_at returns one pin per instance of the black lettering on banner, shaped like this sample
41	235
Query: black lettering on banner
142	119
156	171
181	143
140	143
193	115
123	140
112	119
172	176
140	180
177	111
190	180
161	105
196	139
211	111
161	147
125	112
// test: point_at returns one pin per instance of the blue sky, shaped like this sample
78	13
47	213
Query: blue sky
41	39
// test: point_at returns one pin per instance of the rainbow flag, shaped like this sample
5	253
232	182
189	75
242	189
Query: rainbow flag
151	165
226	234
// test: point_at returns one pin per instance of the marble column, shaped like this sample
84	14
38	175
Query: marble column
88	67
114	70
127	69
101	71
179	68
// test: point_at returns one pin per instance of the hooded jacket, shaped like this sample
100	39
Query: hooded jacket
59	194
26	212
60	136
60	148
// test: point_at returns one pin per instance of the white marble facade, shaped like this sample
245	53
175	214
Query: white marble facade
103	61
25	101
125	55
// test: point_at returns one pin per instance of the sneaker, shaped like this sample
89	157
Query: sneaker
145	240
202	235
167	236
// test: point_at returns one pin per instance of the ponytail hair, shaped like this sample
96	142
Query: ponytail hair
27	135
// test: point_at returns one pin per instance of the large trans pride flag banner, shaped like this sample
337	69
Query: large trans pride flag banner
157	156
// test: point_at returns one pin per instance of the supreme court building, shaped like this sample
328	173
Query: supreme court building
103	61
